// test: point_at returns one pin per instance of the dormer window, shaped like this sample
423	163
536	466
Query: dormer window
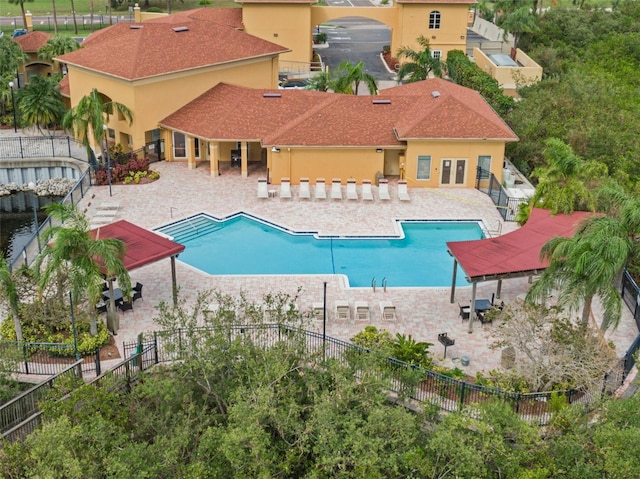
434	20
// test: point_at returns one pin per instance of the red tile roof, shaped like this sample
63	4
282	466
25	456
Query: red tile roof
32	41
442	2
275	2
63	87
135	51
231	17
307	118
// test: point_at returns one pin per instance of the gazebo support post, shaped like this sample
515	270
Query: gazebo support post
174	283
112	314
499	289
472	313
453	281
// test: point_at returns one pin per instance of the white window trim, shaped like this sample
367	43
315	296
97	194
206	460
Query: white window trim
436	54
430	167
436	15
186	145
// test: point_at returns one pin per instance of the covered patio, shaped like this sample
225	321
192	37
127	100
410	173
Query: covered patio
143	247
513	255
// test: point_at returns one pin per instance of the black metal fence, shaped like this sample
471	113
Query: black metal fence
42	147
447	393
46	359
507	205
65	22
631	297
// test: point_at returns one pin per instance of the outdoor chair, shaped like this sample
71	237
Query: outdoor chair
465	312
336	189
352	193
321	189
343	312
285	188
263	188
304	192
383	189
362	310
125	306
366	190
388	311
101	307
403	193
137	292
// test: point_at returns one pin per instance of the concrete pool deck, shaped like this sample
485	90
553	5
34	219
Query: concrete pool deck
421	312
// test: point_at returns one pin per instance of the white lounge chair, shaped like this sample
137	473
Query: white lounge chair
352	192
387	310
317	311
304	192
366	190
285	188
336	189
403	193
263	188
321	189
343	312
383	189
362	310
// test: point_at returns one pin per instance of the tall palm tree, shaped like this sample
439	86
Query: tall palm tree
515	17
420	62
320	82
21	3
11	56
89	115
9	292
350	76
55	17
40	103
56	46
86	260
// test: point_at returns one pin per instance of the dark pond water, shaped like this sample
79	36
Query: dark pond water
18	221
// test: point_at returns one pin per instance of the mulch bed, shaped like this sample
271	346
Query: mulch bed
391	62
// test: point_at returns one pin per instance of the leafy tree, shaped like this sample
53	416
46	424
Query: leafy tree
9	292
350	76
320	82
70	250
57	46
40	103
420	62
90	115
21	3
516	17
11	56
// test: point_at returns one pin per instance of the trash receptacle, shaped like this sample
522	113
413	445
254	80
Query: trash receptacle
464	360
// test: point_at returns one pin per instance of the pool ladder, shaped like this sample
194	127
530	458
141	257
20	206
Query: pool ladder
384	284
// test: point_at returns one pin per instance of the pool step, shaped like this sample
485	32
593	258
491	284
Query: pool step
186	231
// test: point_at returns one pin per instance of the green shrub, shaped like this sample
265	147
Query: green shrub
372	338
158	9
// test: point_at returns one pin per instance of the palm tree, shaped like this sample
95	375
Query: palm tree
71	250
55	17
90	115
40	103
421	62
21	3
73	14
56	46
350	76
11	56
515	17
585	266
9	291
320	82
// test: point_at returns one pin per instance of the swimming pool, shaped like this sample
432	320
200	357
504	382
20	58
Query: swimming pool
246	245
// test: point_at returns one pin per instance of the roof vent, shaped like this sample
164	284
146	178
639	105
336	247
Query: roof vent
271	95
135	27
435	94
382	101
180	29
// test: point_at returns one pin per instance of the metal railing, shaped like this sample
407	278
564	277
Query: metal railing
46	359
507	205
448	393
43	147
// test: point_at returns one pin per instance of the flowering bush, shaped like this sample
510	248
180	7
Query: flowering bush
125	172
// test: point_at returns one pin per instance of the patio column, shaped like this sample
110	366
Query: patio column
472	313
214	158
499	290
453	281
245	159
174	283
191	159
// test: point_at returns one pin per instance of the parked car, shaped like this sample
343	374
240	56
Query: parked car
18	32
294	84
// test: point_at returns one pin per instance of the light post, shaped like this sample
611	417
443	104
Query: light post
34	201
106	143
13	103
73	328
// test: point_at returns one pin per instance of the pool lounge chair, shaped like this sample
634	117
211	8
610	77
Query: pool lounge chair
336	189
317	311
388	311
366	190
343	312
285	188
304	193
362	310
352	192
403	193
321	189
263	188
383	189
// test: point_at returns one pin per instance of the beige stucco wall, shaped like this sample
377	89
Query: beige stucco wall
510	78
440	150
286	25
153	99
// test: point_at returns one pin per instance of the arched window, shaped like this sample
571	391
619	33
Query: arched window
434	20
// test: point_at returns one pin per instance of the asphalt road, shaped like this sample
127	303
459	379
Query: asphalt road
357	39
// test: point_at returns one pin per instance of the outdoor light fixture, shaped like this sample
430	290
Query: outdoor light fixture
106	142
275	150
13	102
378	150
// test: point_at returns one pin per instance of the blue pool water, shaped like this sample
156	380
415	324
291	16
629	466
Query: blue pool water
242	245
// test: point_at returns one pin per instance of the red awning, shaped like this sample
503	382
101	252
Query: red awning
516	253
143	246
